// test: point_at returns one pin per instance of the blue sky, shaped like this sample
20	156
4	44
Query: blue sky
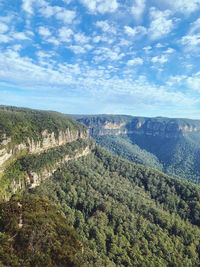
133	57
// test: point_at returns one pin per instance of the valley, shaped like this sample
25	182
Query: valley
66	201
168	145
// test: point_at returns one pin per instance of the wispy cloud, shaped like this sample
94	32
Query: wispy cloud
161	23
106	27
160	59
137	31
101	6
124	52
182	6
44	31
193	82
27	6
135	61
138	9
60	13
191	41
3	27
65	34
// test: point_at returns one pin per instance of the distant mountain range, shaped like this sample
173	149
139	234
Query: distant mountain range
169	145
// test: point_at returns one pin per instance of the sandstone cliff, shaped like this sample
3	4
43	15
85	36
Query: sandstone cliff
49	140
116	125
33	179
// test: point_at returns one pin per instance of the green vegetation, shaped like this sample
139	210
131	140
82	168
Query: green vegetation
21	123
19	169
127	214
110	211
155	142
121	146
34	232
98	120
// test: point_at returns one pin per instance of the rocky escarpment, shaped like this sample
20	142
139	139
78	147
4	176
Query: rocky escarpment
33	178
48	140
162	127
29	170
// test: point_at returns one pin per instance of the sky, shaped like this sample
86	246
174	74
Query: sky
136	57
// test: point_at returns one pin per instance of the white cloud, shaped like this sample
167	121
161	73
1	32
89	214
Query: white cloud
77	49
160	25
159	59
66	16
191	42
102	38
48	11
193	82
3	27
42	54
4	38
101	6
20	36
182	6
97	82
27	6
176	80
136	31
63	14
138	9
7	19
17	47
81	38
67	1
106	27
147	49
88	47
53	41
195	27
65	34
44	31
104	53
135	61
123	42
97	39
159	45
169	50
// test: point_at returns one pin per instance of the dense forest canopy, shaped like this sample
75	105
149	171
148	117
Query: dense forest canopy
34	232
165	144
21	123
95	208
126	214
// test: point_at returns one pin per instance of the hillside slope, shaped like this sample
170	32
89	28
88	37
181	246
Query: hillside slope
169	145
34	232
45	134
124	214
127	214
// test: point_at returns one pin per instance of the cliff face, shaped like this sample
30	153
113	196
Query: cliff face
162	127
33	179
33	144
49	140
28	172
169	145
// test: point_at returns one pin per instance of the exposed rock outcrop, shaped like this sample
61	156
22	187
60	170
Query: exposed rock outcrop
49	140
33	179
162	127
